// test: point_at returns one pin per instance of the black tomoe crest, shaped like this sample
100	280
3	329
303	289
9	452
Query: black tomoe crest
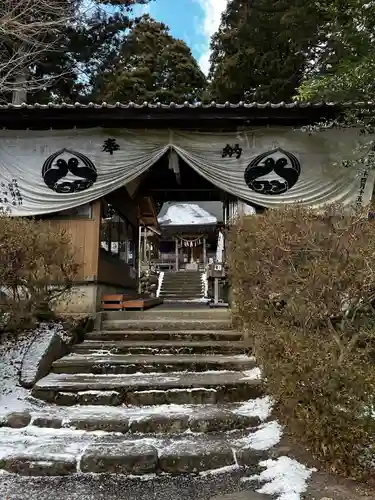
79	165
286	167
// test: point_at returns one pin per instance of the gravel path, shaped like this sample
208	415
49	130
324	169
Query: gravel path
116	488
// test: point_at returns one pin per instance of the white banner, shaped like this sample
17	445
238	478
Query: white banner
48	171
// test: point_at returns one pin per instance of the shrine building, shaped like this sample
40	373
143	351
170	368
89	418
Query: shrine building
104	172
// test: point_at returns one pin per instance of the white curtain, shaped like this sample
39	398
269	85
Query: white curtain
49	171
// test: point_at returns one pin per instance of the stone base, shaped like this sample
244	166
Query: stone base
191	266
87	298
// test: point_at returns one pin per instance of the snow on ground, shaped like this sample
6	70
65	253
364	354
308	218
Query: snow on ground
254	374
201	300
13	397
204	281
260	407
284	478
182	214
265	437
222	470
57	443
160	283
20	355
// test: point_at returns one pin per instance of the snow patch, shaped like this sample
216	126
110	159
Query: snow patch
260	407
160	283
204	281
142	413
145	477
151	391
254	374
195	389
244	357
98	393
265	437
100	352
13	397
222	470
285	478
201	300
56	443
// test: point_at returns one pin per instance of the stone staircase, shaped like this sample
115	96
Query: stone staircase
163	391
182	286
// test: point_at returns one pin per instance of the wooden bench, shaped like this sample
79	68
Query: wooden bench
120	302
115	302
142	304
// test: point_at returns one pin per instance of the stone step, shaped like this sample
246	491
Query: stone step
187	287
183	293
167	324
184	301
188	284
169	313
182	277
164	294
30	453
176	297
149	389
169	278
100	363
182	285
160	347
183	280
163	419
152	335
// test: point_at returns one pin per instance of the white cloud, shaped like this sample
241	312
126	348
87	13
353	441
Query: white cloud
212	10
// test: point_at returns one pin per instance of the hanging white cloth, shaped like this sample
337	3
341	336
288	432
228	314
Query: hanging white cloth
43	172
220	248
173	164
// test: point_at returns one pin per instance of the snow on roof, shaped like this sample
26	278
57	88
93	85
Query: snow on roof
185	214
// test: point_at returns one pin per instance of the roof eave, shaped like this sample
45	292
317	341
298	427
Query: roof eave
187	115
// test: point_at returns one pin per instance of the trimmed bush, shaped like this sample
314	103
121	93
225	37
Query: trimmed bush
37	266
304	293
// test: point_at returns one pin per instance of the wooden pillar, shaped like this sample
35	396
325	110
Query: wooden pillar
216	290
139	257
176	240
204	251
145	244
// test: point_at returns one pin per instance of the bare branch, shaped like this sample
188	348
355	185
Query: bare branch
28	30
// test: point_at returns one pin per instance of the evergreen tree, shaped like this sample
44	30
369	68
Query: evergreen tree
345	64
84	47
262	49
150	66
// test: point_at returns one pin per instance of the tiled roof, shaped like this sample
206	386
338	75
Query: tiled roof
185	105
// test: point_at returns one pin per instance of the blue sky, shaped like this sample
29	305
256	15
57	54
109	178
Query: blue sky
192	20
